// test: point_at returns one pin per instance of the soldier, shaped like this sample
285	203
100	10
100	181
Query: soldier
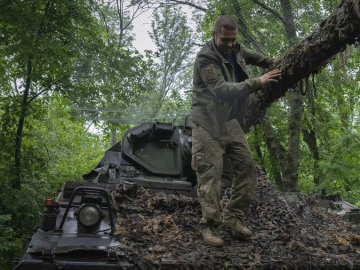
221	87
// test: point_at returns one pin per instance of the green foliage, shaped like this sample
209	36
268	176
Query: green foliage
8	116
65	150
72	52
82	57
332	113
9	243
110	77
341	170
173	39
56	148
47	33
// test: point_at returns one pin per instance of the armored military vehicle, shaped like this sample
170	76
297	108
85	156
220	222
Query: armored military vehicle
153	155
84	228
76	229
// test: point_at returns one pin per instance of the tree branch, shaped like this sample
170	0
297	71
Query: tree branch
5	3
33	97
102	15
272	11
188	4
309	56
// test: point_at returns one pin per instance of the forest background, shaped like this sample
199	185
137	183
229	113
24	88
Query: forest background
71	82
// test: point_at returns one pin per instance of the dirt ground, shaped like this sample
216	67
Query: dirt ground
162	231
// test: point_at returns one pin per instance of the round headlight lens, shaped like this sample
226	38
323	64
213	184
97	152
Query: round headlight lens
89	215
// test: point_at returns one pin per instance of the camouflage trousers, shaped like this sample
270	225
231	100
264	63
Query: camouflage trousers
207	162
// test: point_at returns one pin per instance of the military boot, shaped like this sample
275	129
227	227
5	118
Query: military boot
211	236
238	227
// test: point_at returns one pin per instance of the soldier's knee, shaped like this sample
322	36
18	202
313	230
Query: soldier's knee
248	166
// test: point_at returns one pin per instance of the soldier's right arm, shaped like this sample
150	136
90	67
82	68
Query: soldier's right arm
211	74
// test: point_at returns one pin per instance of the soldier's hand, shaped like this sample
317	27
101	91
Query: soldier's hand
271	76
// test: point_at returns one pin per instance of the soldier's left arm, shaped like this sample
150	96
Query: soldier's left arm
257	59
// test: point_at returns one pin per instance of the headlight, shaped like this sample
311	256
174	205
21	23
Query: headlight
89	215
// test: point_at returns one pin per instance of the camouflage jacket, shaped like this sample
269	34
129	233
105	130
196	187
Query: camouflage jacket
217	89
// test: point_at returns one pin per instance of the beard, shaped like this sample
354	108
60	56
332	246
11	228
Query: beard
226	51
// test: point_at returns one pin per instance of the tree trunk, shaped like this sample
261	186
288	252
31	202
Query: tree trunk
289	24
342	103
287	179
258	140
113	135
290	173
18	140
275	149
249	39
309	134
310	139
307	57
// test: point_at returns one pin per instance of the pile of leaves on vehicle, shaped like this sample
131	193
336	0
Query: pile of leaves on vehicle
290	232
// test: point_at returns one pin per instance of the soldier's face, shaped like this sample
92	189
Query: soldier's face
225	40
